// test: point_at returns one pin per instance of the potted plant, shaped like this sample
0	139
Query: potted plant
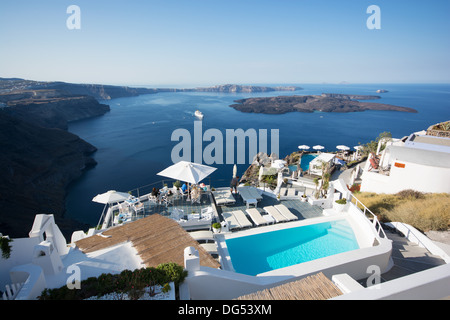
340	204
216	227
303	198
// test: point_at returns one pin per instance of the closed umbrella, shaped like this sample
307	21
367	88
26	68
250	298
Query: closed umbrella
234	171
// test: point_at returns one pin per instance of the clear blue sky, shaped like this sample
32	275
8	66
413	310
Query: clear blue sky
207	42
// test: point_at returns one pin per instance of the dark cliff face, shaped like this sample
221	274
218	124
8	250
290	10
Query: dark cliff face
36	165
51	108
39	158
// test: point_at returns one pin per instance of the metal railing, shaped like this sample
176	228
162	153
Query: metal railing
376	224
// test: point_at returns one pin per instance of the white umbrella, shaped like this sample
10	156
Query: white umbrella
318	147
111	196
234	171
278	164
341	147
187	171
304	147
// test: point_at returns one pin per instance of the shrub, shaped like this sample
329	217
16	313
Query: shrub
131	282
341	201
425	212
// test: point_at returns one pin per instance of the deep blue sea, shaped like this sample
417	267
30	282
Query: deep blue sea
134	138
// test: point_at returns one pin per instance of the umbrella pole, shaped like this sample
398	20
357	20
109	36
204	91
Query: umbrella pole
101	217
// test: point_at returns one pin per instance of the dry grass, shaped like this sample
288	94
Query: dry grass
424	211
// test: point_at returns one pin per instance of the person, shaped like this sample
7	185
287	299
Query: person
155	192
184	188
234	183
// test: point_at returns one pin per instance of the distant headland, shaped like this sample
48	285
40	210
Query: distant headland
327	102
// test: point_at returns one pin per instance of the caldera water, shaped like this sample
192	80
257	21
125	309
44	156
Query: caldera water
134	138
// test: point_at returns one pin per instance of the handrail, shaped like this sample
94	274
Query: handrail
376	224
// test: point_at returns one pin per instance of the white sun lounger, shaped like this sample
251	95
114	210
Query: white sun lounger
231	220
275	214
256	216
202	235
211	248
223	196
248	193
242	219
286	212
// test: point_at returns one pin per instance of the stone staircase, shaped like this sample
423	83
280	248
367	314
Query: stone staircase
408	258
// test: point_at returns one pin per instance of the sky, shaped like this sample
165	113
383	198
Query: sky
210	42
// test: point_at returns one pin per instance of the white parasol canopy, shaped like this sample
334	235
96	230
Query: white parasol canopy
187	171
341	147
303	147
107	198
318	147
112	196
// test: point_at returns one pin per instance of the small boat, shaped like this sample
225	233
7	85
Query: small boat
198	114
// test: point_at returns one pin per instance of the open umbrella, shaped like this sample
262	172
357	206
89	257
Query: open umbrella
318	147
111	196
189	172
303	147
341	147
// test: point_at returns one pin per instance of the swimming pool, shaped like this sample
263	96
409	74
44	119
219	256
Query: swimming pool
259	253
304	163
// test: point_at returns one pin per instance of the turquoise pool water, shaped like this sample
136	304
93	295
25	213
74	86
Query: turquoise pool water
264	252
304	164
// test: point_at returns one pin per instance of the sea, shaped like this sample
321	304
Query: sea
134	140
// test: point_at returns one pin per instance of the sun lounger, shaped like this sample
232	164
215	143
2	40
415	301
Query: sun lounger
286	212
231	220
223	196
202	235
211	248
256	216
291	192
275	214
248	193
242	219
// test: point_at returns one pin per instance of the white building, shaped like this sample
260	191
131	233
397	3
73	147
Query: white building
315	166
419	162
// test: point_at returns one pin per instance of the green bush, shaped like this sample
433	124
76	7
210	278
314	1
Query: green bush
132	282
341	201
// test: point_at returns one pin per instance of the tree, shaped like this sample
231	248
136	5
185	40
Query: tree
372	146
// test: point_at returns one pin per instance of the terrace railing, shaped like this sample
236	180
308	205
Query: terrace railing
370	215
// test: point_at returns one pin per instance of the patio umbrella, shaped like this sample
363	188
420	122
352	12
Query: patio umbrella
303	147
234	171
341	147
187	171
318	147
111	196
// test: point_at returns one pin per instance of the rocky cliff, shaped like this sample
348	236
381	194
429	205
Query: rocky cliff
36	165
39	157
51	108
